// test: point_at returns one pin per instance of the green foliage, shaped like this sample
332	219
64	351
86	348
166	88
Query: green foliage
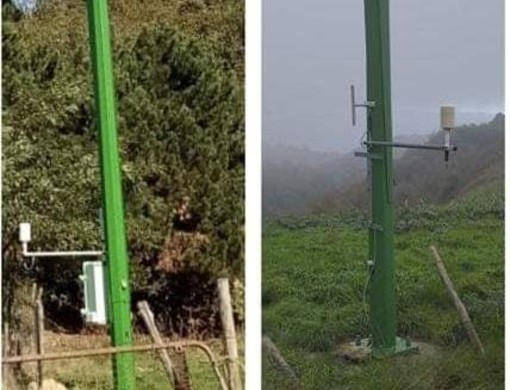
181	128
298	181
314	276
423	176
479	203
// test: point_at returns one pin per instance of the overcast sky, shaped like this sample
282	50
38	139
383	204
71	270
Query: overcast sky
442	51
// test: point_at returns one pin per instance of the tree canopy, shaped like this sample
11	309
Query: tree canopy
181	129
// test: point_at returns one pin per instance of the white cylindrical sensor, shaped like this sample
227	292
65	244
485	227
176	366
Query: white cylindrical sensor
447	117
24	232
447	138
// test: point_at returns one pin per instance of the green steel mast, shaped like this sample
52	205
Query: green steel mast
117	270
382	287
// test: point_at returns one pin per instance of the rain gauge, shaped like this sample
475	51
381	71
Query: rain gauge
378	152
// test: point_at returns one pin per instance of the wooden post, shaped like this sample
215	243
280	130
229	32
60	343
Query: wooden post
144	310
277	359
176	370
40	334
38	331
229	331
6	353
463	313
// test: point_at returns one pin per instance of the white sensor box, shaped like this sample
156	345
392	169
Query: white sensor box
25	232
94	292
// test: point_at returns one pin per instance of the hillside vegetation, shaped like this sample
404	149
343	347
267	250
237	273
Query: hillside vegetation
292	178
423	176
179	83
301	181
314	271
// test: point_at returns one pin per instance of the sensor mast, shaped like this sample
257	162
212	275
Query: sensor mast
379	145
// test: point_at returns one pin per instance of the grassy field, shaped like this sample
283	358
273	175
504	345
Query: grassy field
96	373
314	272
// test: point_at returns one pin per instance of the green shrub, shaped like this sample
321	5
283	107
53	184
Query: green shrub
181	128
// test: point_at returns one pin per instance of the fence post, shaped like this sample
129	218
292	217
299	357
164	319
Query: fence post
229	332
6	352
147	316
461	309
38	331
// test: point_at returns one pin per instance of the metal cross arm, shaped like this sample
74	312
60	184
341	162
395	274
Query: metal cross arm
445	148
411	146
91	253
25	238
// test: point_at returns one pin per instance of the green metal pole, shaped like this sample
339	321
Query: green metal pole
382	289
117	269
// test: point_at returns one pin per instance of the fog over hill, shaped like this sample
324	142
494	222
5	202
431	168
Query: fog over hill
292	177
301	180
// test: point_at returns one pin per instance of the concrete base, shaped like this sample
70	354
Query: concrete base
355	351
361	350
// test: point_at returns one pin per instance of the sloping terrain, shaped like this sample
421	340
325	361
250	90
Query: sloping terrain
424	176
314	276
293	178
178	68
301	181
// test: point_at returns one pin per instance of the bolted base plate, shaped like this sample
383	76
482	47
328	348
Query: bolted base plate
362	350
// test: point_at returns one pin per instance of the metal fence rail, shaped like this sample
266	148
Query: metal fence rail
177	346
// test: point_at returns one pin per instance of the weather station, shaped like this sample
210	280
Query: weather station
92	278
105	276
378	144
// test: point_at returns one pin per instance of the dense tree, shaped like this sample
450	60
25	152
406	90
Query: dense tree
301	181
181	127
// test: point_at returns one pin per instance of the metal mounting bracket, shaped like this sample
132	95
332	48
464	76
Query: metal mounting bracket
410	146
25	236
375	226
354	105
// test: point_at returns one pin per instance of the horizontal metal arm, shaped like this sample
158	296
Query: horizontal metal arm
410	146
354	105
177	346
27	253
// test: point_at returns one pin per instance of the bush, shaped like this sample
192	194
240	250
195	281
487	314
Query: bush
181	124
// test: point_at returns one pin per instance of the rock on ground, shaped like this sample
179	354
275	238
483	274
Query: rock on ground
48	384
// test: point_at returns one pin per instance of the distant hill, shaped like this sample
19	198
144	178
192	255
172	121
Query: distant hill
302	181
293	178
423	176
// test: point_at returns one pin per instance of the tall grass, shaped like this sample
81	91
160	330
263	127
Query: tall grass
314	273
